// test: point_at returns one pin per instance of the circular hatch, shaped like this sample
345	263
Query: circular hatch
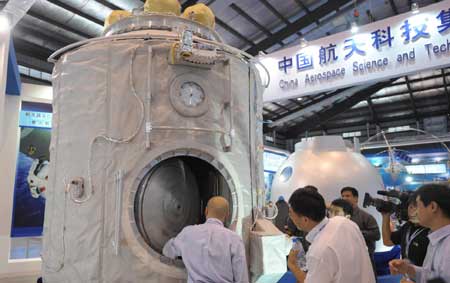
173	194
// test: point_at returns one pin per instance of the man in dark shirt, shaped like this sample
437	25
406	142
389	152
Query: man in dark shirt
366	222
412	237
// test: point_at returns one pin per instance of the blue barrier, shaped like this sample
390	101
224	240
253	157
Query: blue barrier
288	277
389	279
382	260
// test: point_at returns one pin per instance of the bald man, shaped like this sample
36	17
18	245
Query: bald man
210	252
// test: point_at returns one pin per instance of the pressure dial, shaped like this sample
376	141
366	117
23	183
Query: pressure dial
189	95
192	94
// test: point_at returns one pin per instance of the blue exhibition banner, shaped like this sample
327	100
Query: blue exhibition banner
32	171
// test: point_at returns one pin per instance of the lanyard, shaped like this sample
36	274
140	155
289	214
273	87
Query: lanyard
410	238
316	233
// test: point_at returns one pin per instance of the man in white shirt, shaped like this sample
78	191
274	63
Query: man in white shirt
211	252
338	253
433	211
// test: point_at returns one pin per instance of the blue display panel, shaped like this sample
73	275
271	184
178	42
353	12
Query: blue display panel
272	162
412	168
13	83
32	170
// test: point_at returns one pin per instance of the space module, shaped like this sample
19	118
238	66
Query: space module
150	121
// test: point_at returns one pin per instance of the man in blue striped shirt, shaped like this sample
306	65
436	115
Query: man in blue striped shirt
211	252
433	209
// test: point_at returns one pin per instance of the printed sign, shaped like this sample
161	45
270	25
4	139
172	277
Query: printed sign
394	47
35	119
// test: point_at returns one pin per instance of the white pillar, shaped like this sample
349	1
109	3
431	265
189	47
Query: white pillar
4	49
9	142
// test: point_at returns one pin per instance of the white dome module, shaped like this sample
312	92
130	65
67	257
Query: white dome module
328	164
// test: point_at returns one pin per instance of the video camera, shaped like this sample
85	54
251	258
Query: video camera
400	208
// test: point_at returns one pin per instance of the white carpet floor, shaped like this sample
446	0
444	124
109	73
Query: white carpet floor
26	279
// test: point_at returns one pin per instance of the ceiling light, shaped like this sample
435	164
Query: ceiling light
415	7
438	159
354	27
4	22
303	42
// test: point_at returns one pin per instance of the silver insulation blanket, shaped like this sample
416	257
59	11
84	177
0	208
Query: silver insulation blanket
99	91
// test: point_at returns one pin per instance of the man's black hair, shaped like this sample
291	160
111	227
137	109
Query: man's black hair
308	203
412	199
311	188
438	193
345	205
350	189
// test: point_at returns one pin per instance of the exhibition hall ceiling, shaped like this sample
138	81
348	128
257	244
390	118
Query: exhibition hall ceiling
261	26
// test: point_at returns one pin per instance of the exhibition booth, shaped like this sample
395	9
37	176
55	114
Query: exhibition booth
109	144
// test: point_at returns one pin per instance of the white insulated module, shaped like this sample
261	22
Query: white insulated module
150	121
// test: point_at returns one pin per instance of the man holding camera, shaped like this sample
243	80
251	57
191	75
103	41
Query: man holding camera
412	237
366	222
433	211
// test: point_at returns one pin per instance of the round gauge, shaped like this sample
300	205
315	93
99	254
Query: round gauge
191	94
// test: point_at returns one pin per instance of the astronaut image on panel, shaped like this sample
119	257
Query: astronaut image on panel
31	182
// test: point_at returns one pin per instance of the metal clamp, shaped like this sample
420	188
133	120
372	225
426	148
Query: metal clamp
118	213
76	189
186	44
